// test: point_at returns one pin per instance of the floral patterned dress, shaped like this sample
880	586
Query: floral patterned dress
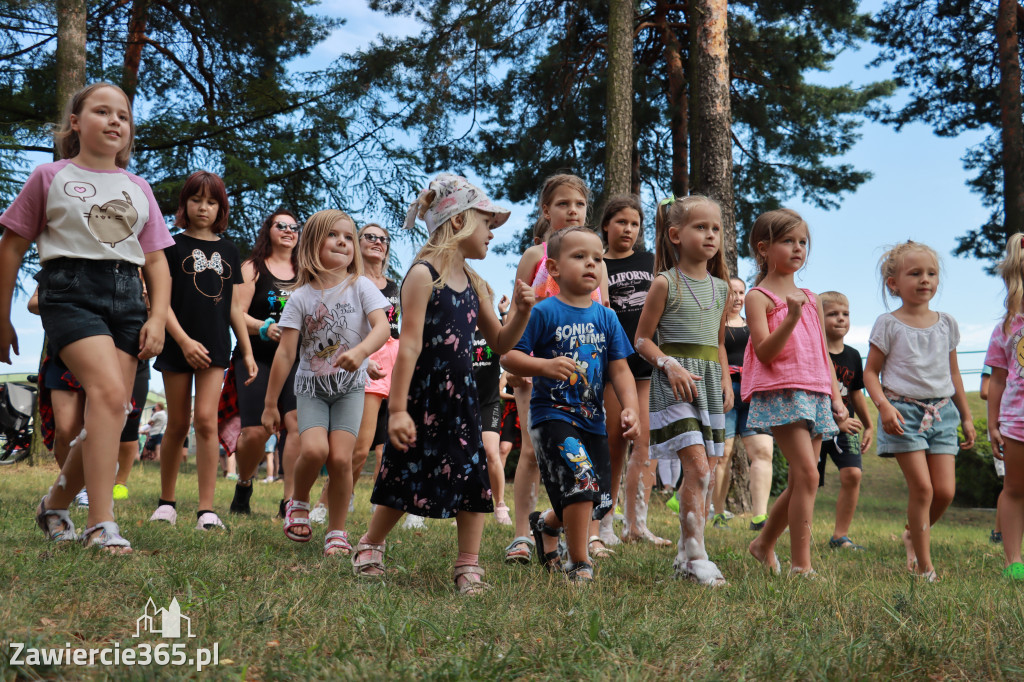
445	470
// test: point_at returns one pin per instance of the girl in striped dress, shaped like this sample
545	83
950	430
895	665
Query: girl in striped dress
689	391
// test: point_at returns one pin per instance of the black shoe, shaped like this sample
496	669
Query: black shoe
240	502
996	538
280	509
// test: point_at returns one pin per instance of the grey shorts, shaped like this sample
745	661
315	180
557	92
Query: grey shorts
339	412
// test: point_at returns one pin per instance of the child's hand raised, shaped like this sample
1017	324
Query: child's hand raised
560	368
630	424
795	303
401	430
523	297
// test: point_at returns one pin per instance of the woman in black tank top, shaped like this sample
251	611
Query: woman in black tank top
757	445
271	264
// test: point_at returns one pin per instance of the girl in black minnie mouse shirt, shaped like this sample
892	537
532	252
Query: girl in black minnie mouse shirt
205	270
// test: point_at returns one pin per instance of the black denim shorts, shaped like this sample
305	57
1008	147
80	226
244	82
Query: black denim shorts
81	298
574	466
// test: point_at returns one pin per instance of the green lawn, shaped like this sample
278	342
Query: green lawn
278	610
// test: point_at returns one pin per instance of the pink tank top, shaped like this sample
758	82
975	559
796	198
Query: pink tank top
802	363
545	287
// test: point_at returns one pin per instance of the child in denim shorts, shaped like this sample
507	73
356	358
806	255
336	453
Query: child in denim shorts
94	225
920	396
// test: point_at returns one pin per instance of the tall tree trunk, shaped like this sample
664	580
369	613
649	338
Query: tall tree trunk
70	78
1010	113
677	104
70	49
714	128
619	146
133	53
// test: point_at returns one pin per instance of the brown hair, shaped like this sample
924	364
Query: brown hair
66	141
315	231
675	214
555	240
198	183
262	248
1012	270
547	191
769	228
892	260
617	203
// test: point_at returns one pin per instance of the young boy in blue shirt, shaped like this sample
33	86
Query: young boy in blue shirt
575	344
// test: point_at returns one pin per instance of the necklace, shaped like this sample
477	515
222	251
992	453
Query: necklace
714	294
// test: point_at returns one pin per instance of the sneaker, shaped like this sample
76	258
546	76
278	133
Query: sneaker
268	479
996	538
618	515
209	521
319	514
719	521
413	521
757	523
240	502
231	477
120	492
82	499
729	516
165	512
673	503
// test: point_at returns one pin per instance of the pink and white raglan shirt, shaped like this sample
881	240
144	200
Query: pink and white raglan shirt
75	212
1006	351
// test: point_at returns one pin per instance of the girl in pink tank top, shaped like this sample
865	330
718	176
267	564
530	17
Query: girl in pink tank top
789	380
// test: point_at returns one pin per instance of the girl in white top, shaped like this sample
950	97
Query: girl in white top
338	316
94	225
913	377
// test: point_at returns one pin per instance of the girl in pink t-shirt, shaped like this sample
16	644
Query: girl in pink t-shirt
1006	405
94	225
789	380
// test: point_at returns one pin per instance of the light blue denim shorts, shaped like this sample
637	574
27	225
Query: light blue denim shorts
940	438
787	405
339	412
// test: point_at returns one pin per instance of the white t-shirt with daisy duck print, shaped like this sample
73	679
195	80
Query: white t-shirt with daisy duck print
330	322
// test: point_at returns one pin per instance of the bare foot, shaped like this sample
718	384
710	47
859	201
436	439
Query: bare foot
911	556
645	535
771	563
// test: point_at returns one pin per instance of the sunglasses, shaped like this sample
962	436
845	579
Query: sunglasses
376	239
287	227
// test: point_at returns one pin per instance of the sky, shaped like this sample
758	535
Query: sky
917	192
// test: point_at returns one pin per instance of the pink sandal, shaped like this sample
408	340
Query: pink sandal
336	542
291	523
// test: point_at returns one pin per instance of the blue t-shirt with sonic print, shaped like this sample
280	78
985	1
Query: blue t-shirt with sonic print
592	337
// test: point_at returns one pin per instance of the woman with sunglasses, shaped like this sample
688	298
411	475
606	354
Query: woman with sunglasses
271	267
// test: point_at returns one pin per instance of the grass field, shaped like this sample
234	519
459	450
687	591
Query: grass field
278	610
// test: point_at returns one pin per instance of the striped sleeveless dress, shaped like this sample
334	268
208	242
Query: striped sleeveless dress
690	335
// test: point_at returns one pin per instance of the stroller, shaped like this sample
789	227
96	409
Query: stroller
17	405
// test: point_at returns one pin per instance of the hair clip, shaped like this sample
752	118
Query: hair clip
667	201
